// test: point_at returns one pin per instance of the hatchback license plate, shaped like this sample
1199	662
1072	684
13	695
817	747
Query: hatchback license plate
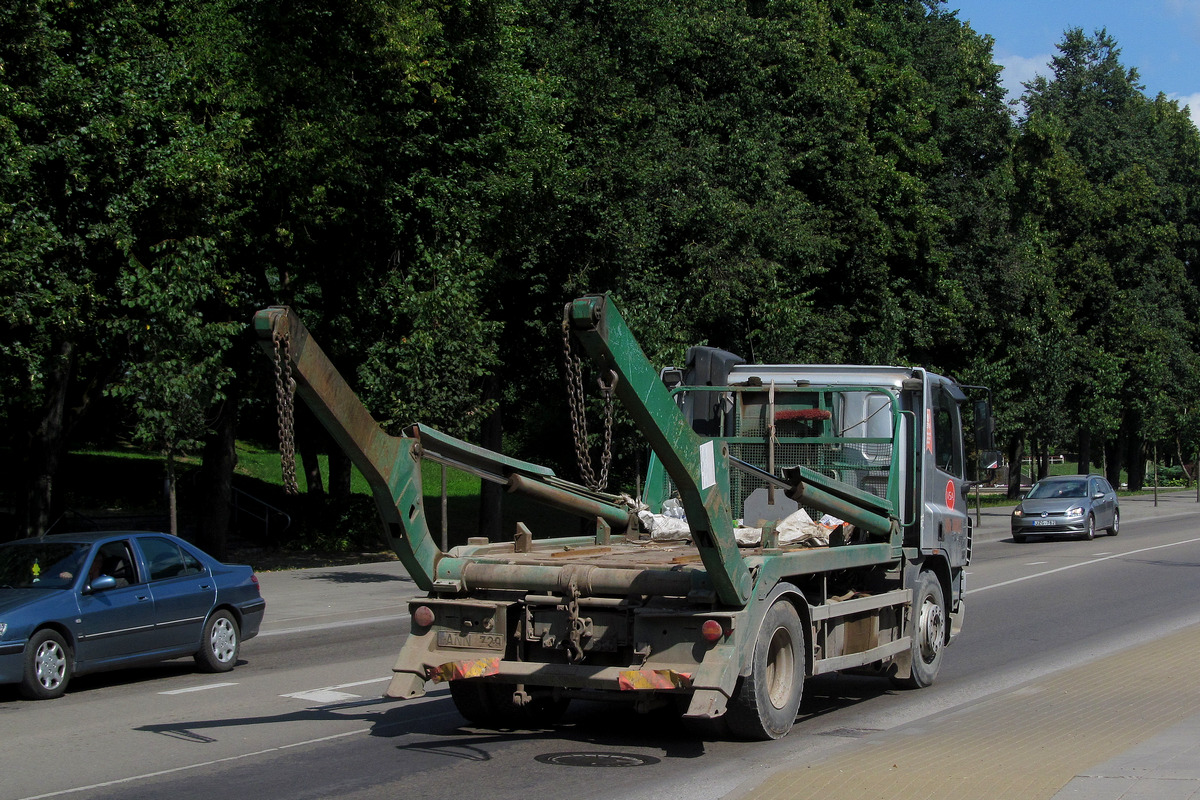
471	641
1040	522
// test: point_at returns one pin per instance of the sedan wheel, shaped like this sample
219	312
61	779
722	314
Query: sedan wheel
48	666
219	645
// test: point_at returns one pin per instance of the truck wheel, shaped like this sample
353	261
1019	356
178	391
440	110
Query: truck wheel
766	702
48	666
928	632
490	705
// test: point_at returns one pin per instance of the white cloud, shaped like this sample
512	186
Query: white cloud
1019	70
1192	101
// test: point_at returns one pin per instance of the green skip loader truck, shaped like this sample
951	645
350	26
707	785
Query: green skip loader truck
795	520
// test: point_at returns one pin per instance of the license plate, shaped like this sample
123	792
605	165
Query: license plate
1041	522
471	641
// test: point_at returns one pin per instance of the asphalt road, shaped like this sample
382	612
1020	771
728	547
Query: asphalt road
301	716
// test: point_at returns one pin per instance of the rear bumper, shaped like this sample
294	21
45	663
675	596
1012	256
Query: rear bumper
252	616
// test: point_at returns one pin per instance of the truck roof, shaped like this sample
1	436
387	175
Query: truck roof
826	374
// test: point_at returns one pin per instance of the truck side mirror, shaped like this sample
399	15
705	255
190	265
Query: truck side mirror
985	430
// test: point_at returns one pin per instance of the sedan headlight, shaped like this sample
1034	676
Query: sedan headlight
1075	511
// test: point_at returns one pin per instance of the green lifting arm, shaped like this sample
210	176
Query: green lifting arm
699	467
390	464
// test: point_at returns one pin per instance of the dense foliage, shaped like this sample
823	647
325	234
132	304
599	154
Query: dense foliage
428	183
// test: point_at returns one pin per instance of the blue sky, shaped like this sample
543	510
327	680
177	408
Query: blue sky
1161	38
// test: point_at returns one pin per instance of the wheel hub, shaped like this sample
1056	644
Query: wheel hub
932	630
51	665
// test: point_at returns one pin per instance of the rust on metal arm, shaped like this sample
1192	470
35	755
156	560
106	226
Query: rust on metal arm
390	464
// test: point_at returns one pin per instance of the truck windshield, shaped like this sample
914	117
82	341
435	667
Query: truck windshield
40	565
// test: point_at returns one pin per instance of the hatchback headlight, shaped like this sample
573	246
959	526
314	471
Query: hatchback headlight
1075	511
1018	512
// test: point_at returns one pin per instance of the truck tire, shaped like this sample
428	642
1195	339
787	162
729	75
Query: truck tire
765	704
490	705
928	632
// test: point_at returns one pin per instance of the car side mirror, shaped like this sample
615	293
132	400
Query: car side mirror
102	583
1098	496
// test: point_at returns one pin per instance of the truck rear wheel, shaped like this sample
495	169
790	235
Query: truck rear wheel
490	705
928	632
767	700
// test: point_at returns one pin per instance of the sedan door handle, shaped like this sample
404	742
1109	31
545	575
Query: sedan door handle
206	586
143	597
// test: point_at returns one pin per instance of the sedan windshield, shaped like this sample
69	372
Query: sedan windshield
1043	491
40	565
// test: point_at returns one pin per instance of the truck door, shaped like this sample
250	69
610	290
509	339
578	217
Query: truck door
945	520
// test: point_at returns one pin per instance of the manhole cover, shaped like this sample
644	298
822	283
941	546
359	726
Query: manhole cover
596	759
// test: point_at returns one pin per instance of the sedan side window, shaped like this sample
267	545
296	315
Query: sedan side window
163	557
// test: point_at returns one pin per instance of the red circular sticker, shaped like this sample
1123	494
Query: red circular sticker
950	494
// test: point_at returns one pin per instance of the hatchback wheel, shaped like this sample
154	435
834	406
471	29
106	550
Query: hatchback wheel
1090	533
1116	526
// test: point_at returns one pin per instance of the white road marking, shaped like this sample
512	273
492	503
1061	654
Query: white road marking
324	626
433	696
1035	563
331	694
322	696
199	688
1082	564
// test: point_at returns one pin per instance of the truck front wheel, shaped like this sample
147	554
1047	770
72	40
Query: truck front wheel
767	700
928	632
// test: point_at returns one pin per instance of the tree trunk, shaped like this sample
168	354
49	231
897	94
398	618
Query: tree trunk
172	505
1113	448
1135	468
1085	451
1183	464
45	445
216	476
491	494
339	478
1016	454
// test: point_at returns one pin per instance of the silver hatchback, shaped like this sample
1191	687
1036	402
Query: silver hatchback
1075	505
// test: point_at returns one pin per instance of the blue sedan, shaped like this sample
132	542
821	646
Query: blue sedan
77	603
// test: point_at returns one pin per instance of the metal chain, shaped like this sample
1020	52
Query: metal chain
285	402
579	417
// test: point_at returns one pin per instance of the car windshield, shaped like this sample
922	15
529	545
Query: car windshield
1048	489
40	565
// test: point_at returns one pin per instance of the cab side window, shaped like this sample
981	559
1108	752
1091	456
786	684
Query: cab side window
947	434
